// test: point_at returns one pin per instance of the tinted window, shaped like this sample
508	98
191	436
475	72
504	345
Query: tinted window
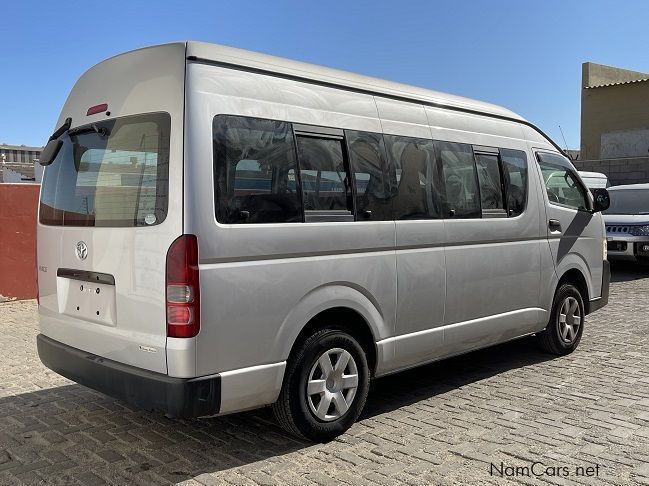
117	177
561	183
459	179
412	178
491	186
325	185
367	156
514	165
254	171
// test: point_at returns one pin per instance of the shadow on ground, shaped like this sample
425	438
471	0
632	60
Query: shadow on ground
626	271
82	432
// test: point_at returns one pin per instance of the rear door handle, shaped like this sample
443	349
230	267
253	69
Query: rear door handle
554	225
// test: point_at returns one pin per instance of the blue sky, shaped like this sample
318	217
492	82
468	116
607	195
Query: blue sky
520	54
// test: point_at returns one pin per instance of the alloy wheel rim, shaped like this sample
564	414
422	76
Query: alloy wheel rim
569	320
332	384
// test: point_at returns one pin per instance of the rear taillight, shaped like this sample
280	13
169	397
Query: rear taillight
183	289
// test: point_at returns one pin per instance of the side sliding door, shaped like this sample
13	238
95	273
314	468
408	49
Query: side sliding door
489	200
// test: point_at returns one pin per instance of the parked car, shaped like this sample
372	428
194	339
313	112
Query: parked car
627	223
221	230
594	180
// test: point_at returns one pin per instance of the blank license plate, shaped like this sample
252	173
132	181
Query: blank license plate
89	301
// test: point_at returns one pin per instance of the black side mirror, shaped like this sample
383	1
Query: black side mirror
50	152
601	200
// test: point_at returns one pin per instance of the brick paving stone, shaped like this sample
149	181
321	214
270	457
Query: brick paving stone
447	423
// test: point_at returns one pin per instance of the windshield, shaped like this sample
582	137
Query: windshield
115	174
629	201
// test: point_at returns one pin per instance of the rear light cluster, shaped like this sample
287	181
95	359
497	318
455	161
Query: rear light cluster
183	289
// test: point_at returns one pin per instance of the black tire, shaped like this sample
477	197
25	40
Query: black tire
551	339
292	409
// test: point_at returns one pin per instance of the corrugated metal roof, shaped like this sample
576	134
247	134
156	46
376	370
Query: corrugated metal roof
618	84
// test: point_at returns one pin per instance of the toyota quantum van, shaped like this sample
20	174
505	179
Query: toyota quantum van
221	230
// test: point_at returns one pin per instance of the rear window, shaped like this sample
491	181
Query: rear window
115	178
255	171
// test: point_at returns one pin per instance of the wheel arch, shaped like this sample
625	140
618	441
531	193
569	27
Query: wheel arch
340	307
347	320
576	277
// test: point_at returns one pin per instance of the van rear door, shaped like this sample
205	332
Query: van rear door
103	201
111	206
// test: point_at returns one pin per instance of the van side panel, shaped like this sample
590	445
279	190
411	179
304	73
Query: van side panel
134	331
261	283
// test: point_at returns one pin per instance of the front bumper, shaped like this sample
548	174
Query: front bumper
597	304
630	248
177	397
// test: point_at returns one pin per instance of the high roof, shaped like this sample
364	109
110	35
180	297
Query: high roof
262	62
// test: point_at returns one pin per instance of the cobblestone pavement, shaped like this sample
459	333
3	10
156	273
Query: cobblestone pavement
445	423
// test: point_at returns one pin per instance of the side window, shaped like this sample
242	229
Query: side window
367	157
323	176
254	171
412	178
491	185
459	179
561	183
514	164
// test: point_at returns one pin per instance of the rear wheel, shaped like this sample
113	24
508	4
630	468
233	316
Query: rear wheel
325	386
563	333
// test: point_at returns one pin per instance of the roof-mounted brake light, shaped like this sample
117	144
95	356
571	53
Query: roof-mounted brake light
93	110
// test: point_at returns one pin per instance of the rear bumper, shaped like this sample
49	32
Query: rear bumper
597	304
177	397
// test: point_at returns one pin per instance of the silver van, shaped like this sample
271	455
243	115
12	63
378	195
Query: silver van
221	230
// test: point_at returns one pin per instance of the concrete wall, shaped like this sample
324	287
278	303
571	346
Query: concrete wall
18	205
623	144
614	112
611	109
619	171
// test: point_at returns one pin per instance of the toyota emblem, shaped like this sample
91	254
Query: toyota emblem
82	250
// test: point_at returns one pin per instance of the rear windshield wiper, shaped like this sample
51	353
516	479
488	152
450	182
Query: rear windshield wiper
104	132
62	129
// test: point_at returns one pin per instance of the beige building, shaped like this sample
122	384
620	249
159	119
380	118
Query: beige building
18	163
614	113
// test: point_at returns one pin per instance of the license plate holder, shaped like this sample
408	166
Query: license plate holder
88	301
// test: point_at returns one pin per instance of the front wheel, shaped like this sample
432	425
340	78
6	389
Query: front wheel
325	386
566	325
